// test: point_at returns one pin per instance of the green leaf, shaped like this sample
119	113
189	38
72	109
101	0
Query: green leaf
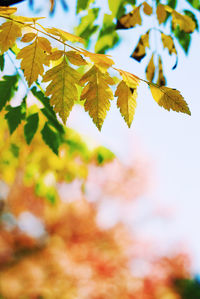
183	38
14	150
86	27
172	3
31	127
118	7
8	86
48	110
51	138
195	3
14	116
83	4
108	36
2	62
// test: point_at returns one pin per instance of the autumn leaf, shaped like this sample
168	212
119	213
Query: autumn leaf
33	58
185	22
148	10
161	79
101	61
65	36
161	13
168	43
28	37
169	98
62	88
97	94
150	70
7	10
75	58
126	101
9	32
140	50
130	20
131	80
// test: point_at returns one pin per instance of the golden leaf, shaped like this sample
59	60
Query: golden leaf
126	101
185	22
75	58
148	10
44	44
56	55
161	13
26	19
4	10
102	61
169	98
150	70
168	43
131	80
62	88
9	32
28	37
33	58
161	79
140	50
130	20
97	94
64	35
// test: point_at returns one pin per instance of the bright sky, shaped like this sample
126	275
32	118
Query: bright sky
169	140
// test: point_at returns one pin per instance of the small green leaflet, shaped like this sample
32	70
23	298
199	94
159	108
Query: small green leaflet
15	115
2	62
51	138
8	86
82	5
31	127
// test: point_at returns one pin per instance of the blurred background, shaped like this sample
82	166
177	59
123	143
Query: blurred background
116	214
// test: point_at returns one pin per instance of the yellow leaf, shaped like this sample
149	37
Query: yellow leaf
130	20
126	101
150	70
7	10
161	79
33	58
64	35
44	44
56	55
9	32
97	94
131	80
148	10
169	98
161	13
140	50
168	43
75	58
102	61
185	22
62	88
28	37
26	19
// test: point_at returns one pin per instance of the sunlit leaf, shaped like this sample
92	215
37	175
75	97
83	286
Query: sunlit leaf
9	32
150	70
97	94
126	101
161	13
33	60
130	20
148	10
185	23
169	98
161	78
65	36
140	50
83	4
62	88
